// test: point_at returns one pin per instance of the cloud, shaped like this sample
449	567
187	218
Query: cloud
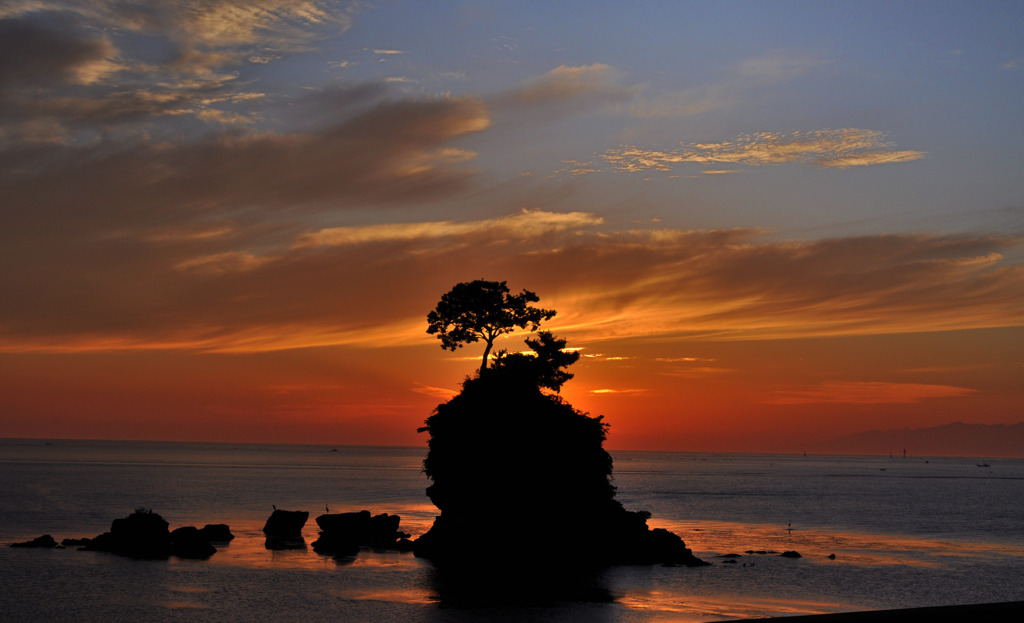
393	152
173	59
212	23
439	393
528	223
33	54
821	148
238	285
220	263
718	285
565	89
860	392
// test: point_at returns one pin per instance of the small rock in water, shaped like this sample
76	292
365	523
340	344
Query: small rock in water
791	554
189	542
45	541
282	523
217	532
342	534
143	534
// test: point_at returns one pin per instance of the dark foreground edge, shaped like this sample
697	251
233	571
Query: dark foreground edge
1004	611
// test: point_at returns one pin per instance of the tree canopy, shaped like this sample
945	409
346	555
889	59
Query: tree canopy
545	367
483	310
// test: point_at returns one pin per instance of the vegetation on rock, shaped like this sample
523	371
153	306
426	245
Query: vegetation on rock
519	469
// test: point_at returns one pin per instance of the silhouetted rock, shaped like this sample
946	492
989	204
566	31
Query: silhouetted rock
45	541
790	554
143	534
216	533
342	534
282	523
521	472
189	542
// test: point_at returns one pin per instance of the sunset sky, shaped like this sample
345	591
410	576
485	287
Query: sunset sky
765	224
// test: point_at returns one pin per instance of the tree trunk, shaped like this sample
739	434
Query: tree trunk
487	352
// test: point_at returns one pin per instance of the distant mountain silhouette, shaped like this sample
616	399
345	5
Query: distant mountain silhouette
956	439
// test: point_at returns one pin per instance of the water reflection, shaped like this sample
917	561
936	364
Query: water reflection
675	607
713	538
498	581
277	543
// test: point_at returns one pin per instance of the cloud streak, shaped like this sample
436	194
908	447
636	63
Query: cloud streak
843	148
526	224
371	286
866	393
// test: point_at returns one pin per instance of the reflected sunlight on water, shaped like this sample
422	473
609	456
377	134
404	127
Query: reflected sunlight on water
715	538
671	607
908	536
408	596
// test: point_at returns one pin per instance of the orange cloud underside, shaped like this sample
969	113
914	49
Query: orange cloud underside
691	339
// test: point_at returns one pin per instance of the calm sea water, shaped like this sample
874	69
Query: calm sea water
905	532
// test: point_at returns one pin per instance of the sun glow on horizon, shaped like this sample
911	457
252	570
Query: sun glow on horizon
244	215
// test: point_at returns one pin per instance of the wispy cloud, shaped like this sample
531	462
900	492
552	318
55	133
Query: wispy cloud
821	148
725	285
565	90
440	393
372	286
527	223
860	392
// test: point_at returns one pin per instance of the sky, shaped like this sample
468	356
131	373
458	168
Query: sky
764	224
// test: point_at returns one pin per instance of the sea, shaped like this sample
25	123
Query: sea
873	532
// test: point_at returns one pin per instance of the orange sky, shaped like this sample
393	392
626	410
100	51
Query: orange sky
764	228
